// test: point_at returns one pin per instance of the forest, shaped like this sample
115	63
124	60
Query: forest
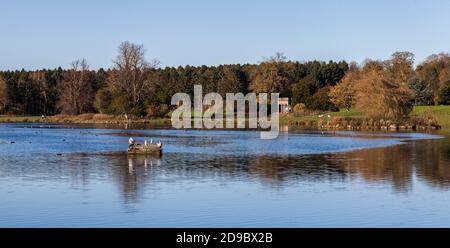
137	87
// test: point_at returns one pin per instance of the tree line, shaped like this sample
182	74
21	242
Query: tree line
135	86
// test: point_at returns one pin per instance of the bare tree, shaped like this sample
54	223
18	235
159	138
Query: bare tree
279	57
75	94
130	74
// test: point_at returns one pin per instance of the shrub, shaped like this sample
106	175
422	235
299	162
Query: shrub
299	108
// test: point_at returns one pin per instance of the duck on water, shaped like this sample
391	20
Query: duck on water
145	149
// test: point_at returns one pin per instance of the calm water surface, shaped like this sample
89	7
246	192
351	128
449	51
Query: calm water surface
62	176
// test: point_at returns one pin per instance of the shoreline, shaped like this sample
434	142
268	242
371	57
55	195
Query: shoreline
318	125
422	118
303	122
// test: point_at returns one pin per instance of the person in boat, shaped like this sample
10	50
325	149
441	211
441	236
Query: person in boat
131	142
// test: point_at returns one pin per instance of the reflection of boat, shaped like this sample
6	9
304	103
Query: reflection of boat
150	149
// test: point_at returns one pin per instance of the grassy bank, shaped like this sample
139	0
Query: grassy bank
440	113
83	119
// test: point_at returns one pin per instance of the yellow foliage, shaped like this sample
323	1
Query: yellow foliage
299	108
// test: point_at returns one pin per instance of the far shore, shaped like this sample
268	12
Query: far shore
422	118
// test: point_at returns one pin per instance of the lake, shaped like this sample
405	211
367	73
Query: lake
81	176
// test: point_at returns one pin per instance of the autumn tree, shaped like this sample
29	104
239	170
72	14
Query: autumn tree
75	93
444	76
271	76
401	67
381	91
343	94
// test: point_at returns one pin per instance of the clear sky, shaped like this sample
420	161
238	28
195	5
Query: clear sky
47	34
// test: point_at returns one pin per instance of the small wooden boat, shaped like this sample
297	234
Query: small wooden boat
149	149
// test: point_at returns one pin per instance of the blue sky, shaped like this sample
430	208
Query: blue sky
47	34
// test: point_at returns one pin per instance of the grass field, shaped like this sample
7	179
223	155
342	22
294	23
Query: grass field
442	114
344	113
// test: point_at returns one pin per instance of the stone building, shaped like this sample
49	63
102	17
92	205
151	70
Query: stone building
284	105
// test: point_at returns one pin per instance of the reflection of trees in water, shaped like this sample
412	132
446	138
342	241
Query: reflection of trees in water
429	160
292	168
433	162
131	173
80	172
387	165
